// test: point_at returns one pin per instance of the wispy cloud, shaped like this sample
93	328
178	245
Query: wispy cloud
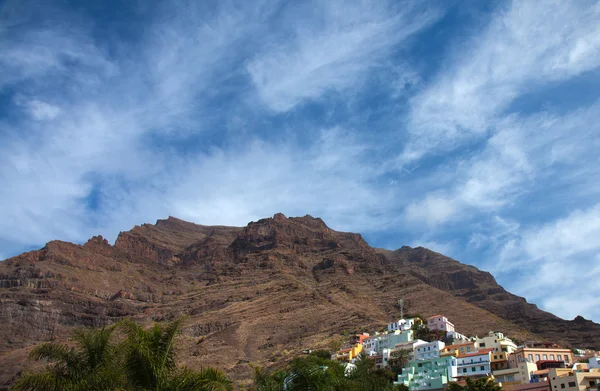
561	255
82	159
333	46
527	44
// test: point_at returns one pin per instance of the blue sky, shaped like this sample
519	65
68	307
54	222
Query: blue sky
471	128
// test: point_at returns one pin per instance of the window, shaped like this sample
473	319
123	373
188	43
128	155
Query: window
562	385
519	358
560	357
572	384
530	357
537	357
552	357
473	369
495	357
482	368
545	356
468	348
464	370
566	358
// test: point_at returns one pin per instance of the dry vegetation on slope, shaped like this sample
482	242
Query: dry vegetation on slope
258	294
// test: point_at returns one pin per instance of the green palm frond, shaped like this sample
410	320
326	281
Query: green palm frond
208	379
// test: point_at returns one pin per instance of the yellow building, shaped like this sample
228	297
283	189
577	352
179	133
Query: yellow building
579	378
459	348
514	376
503	347
348	353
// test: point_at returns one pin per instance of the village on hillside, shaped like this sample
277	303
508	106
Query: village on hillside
429	354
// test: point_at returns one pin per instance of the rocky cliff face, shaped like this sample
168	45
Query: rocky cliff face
258	294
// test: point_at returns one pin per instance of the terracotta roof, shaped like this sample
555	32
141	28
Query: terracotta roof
459	344
541	372
434	316
477	353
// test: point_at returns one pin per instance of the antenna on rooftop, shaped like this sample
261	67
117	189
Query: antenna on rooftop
401	305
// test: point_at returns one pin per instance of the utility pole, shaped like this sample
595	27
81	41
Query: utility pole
401	305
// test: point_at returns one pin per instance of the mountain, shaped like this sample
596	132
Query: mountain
258	294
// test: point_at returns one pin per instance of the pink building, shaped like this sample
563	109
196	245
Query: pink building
439	322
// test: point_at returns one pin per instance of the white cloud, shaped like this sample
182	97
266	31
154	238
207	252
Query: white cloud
557	263
102	110
330	179
525	46
40	110
334	44
99	140
432	210
521	157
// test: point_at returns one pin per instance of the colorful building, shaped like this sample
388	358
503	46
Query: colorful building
578	378
439	322
429	350
348	353
457	337
411	346
509	377
537	354
376	343
475	364
429	374
460	348
403	324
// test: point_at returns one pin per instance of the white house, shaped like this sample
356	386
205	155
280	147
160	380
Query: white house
458	337
378	342
429	350
411	347
401	324
475	364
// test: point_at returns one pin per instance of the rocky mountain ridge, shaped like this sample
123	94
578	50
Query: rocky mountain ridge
257	294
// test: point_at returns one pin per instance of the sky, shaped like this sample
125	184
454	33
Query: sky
470	128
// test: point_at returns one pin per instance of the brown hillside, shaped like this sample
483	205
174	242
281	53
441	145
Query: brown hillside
258	294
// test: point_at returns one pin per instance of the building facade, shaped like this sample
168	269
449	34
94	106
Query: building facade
578	378
376	343
537	354
403	324
429	374
475	364
440	322
429	350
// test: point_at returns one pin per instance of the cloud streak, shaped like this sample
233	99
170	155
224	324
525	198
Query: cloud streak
525	46
333	47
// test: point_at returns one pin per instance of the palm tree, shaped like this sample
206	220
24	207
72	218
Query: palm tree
150	362
398	360
265	381
368	377
90	365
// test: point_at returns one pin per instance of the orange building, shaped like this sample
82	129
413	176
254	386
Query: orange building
458	348
537	354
